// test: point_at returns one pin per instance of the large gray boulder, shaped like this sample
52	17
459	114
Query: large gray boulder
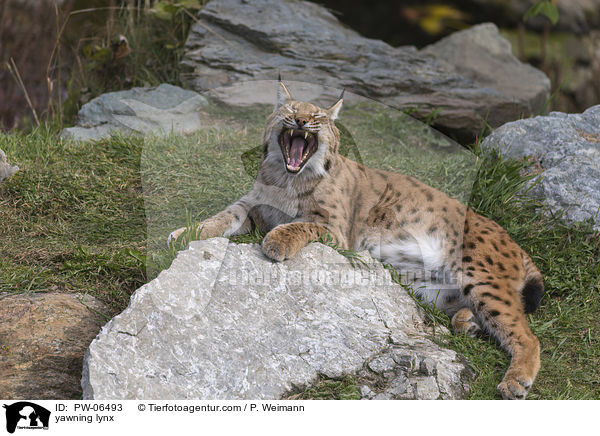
6	169
162	109
568	149
225	322
239	40
482	55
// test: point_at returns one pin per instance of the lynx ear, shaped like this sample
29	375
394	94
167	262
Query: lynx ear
283	95
335	109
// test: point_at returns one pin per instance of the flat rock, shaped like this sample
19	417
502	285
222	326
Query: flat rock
6	169
238	40
163	109
43	338
568	149
225	322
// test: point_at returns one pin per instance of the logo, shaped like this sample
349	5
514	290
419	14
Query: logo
26	415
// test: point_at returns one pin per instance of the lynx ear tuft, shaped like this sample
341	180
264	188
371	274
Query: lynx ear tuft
283	95
335	109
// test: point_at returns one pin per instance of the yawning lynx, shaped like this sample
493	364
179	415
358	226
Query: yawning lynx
305	189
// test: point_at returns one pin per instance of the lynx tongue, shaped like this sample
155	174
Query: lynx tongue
296	149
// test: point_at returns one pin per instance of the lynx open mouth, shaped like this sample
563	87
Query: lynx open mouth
297	147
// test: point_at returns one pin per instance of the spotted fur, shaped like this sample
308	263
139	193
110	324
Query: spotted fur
412	226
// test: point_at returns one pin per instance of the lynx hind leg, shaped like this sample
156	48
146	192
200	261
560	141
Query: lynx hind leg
464	321
500	310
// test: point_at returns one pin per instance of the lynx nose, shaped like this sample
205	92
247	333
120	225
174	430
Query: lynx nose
301	121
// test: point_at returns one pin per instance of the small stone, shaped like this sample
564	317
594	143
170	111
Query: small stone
366	393
382	364
398	339
427	389
428	366
406	359
388	375
383	396
6	170
400	388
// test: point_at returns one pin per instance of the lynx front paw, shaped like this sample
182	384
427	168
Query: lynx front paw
278	247
174	235
274	249
285	240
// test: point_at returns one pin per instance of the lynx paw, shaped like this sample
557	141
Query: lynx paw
464	321
514	388
277	247
174	235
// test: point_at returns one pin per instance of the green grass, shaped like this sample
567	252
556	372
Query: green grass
72	218
90	217
330	389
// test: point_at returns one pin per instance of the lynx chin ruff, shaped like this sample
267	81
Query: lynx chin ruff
305	189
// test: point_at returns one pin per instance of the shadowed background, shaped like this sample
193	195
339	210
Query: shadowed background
55	52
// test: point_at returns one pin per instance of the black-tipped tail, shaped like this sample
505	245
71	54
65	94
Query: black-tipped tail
532	293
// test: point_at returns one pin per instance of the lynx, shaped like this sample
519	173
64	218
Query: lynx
306	189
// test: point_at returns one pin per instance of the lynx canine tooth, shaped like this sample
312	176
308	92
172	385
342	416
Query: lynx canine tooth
305	135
